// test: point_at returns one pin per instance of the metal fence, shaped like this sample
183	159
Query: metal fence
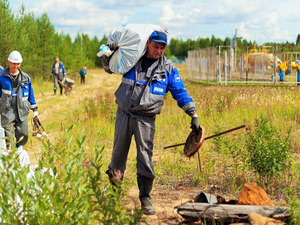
226	64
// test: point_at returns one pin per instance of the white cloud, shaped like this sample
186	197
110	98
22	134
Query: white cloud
243	32
265	20
169	18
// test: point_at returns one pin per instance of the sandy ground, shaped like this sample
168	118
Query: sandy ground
164	198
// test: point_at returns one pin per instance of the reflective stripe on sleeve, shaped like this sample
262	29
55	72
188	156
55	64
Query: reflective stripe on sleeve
127	81
8	92
33	106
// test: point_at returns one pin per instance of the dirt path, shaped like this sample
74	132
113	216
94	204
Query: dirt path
164	199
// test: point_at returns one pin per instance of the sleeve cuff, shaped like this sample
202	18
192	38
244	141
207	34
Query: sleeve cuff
191	111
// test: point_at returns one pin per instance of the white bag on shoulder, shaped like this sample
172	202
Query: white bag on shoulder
131	40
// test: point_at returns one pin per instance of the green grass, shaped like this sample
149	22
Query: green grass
224	161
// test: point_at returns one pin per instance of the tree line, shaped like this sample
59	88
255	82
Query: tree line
38	42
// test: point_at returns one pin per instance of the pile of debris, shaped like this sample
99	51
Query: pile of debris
68	84
254	207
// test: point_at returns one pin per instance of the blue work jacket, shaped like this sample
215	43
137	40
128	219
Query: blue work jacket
24	95
143	92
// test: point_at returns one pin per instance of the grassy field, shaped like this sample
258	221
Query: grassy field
85	121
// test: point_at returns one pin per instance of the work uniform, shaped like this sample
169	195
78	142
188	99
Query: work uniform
82	73
282	68
140	97
17	99
298	73
58	72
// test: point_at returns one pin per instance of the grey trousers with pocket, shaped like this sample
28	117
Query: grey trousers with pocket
143	129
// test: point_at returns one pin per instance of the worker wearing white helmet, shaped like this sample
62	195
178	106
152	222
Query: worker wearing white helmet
16	94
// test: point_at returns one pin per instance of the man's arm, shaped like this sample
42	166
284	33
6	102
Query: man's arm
184	101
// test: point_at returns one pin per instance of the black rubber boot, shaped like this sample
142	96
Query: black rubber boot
145	186
54	92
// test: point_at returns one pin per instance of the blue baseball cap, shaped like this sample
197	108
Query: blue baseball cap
159	36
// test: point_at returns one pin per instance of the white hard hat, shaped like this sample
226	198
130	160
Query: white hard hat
15	57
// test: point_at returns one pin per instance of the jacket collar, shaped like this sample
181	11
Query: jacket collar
23	76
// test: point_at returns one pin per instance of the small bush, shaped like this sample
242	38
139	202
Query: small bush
269	152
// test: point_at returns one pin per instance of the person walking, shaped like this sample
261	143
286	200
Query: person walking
298	71
83	74
58	72
17	98
140	97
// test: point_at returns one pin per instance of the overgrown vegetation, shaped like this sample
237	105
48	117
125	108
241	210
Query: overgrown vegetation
269	151
79	160
66	187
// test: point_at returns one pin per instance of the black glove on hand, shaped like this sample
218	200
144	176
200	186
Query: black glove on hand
195	124
105	63
113	46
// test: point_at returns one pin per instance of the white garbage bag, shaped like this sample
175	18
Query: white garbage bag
23	156
2	140
131	40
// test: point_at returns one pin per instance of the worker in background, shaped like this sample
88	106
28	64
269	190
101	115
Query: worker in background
298	71
58	72
282	68
83	74
17	98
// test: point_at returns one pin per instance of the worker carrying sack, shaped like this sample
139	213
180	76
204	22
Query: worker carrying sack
131	40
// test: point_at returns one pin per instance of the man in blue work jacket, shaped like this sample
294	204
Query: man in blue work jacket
17	99
58	72
140	97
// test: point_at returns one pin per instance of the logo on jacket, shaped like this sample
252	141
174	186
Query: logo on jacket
158	89
177	78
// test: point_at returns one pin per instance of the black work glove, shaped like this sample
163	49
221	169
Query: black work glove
113	46
105	63
195	124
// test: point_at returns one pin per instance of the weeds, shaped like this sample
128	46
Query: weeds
269	151
225	162
75	193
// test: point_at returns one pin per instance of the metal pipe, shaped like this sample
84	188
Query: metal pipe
216	135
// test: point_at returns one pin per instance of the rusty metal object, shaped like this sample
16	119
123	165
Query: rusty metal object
216	135
37	127
194	142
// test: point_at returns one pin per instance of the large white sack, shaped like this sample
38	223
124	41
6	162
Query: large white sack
131	39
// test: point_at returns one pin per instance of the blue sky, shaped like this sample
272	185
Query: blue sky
259	20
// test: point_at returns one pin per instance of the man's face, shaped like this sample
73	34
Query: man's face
56	59
14	67
155	49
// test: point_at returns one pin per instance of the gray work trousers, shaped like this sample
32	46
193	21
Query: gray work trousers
56	78
19	129
143	129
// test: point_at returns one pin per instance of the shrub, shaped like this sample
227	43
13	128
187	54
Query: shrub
269	152
74	194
